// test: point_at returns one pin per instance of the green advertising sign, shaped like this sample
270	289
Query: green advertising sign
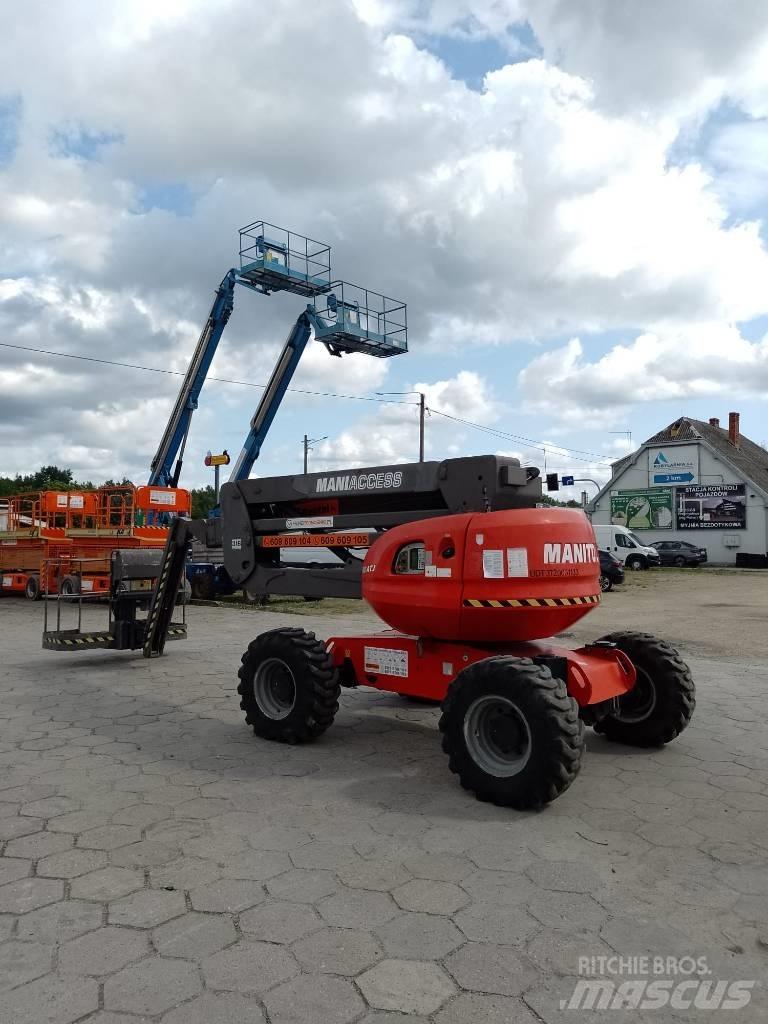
642	510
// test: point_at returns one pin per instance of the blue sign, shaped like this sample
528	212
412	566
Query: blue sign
567	481
672	478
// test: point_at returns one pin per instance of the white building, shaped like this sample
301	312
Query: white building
696	482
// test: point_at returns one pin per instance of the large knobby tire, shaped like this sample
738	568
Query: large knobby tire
661	703
70	586
32	590
511	732
289	686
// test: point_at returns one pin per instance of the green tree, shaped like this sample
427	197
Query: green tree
203	500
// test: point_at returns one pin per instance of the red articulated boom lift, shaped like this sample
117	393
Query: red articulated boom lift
472	577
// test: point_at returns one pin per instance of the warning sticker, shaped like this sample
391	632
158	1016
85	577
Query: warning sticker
493	564
61	500
517	561
386	662
7	581
76	501
162	497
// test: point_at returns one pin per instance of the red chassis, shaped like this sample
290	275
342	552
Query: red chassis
422	667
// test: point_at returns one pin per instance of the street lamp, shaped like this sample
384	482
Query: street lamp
308	442
422	410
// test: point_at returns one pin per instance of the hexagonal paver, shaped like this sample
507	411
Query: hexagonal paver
430	897
314	999
216	1008
29	894
380	875
249	967
146	854
14	868
485	967
53	1000
256	864
345	951
302	886
106	884
419	937
563	876
23	961
358	908
228	895
50	807
408	986
147	908
488	1009
330	856
109	837
488	922
194	936
184	873
274	837
280	922
567	911
152	986
39	844
71	863
142	815
59	922
442	867
102	951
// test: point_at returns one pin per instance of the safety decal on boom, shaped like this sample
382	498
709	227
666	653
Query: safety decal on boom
530	602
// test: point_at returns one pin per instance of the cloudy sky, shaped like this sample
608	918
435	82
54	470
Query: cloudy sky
570	197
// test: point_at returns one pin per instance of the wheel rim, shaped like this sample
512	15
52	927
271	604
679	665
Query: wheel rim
640	702
274	689
497	736
680	562
605	583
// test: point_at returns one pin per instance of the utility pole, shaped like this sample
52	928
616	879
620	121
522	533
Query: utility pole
308	442
422	413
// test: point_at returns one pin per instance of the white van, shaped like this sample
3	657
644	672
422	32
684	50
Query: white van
625	546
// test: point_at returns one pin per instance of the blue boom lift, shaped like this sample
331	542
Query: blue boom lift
344	317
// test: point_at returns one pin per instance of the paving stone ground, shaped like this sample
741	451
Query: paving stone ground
159	863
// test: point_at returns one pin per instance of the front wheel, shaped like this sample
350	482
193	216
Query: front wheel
605	583
289	686
660	704
636	562
511	732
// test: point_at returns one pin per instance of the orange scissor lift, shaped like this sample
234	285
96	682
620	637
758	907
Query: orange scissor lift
62	541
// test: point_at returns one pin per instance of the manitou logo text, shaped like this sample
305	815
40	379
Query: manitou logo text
359	482
569	554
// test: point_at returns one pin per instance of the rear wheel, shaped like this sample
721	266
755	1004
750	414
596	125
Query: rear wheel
32	589
606	584
680	562
289	686
660	704
512	732
70	586
636	562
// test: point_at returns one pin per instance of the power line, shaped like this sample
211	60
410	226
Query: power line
526	441
180	373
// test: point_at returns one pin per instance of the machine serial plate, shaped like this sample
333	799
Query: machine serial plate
386	662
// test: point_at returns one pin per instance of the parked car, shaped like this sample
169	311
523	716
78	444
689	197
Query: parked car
611	570
680	552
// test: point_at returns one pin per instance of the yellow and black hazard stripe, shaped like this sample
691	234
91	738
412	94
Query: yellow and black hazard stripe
80	641
530	602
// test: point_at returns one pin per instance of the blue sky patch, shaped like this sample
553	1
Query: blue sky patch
82	144
174	196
